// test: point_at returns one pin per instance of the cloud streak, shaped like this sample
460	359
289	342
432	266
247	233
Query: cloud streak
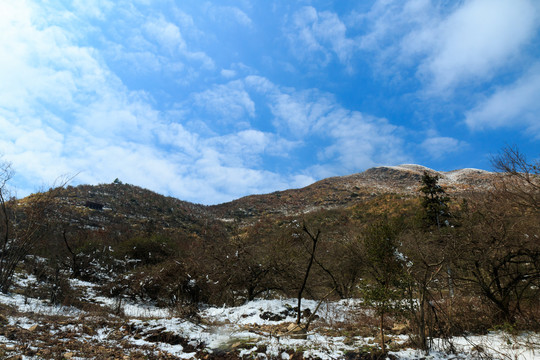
473	42
316	37
347	140
156	95
451	47
113	131
442	146
510	106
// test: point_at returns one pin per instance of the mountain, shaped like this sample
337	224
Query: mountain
104	206
345	191
128	207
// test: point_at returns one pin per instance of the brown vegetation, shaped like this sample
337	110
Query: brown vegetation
463	258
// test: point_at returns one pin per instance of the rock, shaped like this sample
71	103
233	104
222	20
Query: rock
400	328
296	329
268	315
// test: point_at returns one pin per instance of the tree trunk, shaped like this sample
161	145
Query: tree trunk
383	346
422	322
314	239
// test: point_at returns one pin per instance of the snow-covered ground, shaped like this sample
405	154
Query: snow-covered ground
257	329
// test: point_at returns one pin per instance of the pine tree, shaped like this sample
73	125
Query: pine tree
385	265
434	202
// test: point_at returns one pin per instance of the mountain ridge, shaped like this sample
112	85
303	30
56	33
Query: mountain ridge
124	206
351	189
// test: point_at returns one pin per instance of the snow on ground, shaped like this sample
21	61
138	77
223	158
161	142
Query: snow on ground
24	304
129	308
496	345
250	312
31	305
246	329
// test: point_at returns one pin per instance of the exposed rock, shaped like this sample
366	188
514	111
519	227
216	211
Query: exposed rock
268	315
295	328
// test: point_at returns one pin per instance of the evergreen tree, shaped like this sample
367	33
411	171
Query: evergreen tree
434	201
385	264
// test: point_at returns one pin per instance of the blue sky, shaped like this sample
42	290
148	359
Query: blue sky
208	101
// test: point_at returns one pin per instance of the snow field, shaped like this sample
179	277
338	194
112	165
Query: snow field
243	329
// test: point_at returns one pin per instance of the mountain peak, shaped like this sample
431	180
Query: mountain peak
344	191
114	205
411	167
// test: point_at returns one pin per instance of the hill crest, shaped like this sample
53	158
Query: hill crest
344	191
98	207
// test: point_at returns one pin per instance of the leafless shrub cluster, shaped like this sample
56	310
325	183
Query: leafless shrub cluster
439	265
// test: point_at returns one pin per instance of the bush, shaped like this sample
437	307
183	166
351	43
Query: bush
167	284
147	250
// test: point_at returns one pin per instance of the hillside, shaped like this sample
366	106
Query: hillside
122	272
108	206
345	191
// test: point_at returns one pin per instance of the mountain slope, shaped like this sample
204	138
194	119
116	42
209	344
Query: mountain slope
348	190
124	206
116	205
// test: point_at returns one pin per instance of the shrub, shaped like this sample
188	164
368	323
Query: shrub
147	250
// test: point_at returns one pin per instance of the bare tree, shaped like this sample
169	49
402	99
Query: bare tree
502	257
520	180
426	259
8	262
22	224
314	240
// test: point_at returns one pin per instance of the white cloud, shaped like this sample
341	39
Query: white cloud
456	45
166	34
230	101
513	105
228	73
359	141
95	9
295	112
63	110
260	84
315	36
478	39
440	146
299	112
143	62
146	41
70	114
22	64
227	181
246	148
176	136
169	37
347	141
240	16
227	13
